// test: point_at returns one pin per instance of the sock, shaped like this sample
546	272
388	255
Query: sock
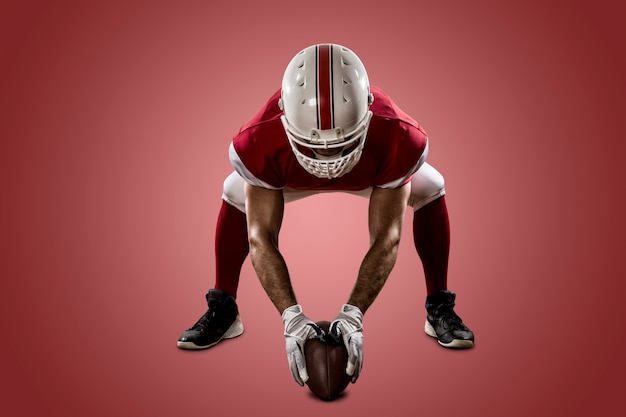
431	234
231	248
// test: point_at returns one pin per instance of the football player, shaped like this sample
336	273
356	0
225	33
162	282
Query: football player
328	130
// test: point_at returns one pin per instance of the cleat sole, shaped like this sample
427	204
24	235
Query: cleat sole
454	344
235	329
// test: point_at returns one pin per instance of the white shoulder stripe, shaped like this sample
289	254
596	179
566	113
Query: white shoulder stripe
397	183
244	172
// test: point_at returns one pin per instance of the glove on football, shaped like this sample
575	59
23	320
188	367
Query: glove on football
348	324
298	328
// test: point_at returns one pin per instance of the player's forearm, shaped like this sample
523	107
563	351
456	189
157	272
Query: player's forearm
386	215
264	214
373	273
272	271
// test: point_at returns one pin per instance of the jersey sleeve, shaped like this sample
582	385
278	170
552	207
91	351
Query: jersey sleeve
397	141
257	152
404	153
409	175
244	172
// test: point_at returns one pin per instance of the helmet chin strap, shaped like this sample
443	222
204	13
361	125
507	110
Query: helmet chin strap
328	157
330	167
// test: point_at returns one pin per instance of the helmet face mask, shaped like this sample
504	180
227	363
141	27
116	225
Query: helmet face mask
325	101
322	165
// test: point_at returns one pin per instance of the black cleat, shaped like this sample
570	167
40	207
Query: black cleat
444	324
221	321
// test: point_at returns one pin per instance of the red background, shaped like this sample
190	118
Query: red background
115	121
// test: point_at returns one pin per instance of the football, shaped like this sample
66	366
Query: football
326	358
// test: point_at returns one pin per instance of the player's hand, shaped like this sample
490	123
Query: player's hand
298	328
348	325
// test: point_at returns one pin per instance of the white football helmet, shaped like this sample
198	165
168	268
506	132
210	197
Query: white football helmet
325	101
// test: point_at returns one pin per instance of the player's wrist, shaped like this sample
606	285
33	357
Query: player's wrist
294	309
353	313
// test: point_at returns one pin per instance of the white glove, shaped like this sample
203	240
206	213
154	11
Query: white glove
297	331
349	325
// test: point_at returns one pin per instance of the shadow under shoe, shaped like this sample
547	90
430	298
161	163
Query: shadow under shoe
444	324
221	321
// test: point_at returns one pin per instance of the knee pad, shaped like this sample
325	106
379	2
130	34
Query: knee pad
427	185
233	192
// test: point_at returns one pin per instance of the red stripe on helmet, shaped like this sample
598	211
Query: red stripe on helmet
324	87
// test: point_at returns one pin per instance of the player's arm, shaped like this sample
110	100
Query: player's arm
264	212
386	215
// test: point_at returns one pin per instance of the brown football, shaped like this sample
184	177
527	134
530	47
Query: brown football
326	360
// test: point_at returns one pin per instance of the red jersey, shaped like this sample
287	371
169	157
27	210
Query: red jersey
395	147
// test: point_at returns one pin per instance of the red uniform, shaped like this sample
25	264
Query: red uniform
395	147
336	133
